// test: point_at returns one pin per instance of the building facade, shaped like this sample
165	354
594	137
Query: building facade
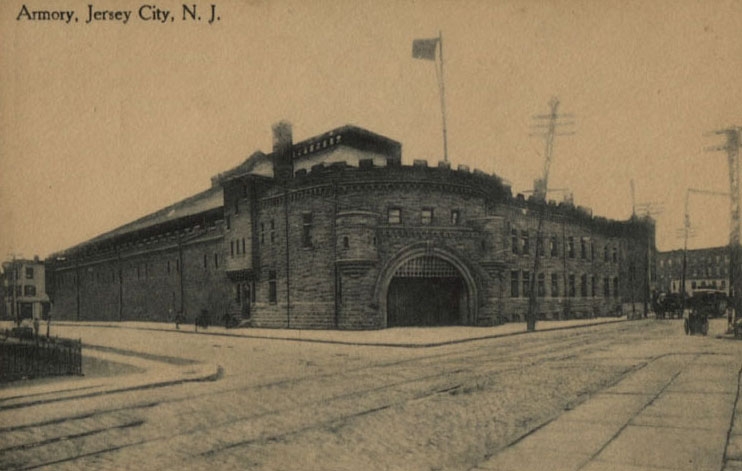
334	232
706	268
24	289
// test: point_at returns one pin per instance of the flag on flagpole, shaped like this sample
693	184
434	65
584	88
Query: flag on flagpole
424	48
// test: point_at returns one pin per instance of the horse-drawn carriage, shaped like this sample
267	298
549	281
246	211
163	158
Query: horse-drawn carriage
702	305
669	305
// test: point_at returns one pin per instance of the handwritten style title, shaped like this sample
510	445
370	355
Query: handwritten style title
146	12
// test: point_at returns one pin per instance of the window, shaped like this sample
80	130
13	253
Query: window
615	255
571	286
540	246
231	248
605	253
606	288
541	290
693	284
615	287
426	216
206	262
177	266
243	245
236	207
554	285
346	242
394	215
455	217
514	240
29	290
262	233
592	250
228	222
272	296
29	273
168	267
583	248
524	243
273	231
554	246
306	229
571	246
514	284
583	286
593	287
526	284
216	262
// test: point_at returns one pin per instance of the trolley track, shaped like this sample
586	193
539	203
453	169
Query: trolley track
381	397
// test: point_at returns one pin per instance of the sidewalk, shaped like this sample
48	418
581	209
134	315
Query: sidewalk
677	413
407	337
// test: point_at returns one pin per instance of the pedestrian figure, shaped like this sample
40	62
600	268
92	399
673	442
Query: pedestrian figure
179	319
202	320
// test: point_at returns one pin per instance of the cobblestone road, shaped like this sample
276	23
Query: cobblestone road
296	406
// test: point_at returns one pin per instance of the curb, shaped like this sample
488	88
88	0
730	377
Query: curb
209	374
351	343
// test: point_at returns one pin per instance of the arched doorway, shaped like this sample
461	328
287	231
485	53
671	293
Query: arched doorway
427	290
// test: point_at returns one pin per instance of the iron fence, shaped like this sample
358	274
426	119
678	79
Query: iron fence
34	359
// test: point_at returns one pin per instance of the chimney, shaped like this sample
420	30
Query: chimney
283	162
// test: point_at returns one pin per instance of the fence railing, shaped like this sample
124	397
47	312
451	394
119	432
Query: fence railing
35	359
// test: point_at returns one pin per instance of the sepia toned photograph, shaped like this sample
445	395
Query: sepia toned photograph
402	235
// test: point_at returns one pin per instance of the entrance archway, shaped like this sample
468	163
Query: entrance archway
427	286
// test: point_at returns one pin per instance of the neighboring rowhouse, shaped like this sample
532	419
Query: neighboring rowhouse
334	232
24	289
705	269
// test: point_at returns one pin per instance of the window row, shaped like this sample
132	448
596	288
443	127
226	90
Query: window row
520	243
520	285
426	216
26	290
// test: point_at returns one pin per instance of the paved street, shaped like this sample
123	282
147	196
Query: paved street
637	395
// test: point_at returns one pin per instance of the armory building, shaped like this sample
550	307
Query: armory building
334	232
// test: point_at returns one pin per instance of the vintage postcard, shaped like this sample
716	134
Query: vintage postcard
353	235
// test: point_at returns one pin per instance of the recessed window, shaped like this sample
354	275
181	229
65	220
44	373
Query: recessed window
272	295
306	228
571	285
583	248
554	285
273	231
29	290
514	240
394	215
426	216
541	285
29	273
525	245
526	283
554	246
583	286
455	217
346	242
571	247
514	284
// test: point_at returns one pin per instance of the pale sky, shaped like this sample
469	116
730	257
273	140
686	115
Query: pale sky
103	123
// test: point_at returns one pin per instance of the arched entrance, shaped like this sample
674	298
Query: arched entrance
425	284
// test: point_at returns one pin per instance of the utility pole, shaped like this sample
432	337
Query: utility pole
540	189
650	211
731	147
687	230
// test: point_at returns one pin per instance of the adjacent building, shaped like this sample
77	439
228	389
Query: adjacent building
706	268
334	232
24	292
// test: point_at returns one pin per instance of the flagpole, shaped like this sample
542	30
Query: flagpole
443	99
